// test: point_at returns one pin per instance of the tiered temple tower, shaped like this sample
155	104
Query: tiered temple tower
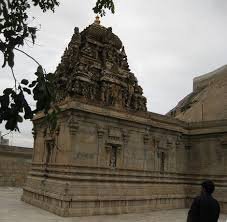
94	69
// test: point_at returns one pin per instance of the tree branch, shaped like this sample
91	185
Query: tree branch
28	56
15	80
7	133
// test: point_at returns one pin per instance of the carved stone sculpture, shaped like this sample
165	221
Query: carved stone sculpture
94	68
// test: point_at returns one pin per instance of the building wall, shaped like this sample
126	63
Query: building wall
160	163
15	163
207	102
103	161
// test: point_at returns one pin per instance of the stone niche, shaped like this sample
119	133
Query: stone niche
108	155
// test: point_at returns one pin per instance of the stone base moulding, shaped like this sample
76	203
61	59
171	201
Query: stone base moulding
101	207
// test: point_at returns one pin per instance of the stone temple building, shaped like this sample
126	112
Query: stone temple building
208	101
108	154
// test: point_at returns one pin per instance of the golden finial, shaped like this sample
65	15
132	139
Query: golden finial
97	20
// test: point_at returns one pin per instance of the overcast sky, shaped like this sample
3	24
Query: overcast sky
168	43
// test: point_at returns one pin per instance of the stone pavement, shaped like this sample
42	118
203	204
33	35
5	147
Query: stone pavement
14	210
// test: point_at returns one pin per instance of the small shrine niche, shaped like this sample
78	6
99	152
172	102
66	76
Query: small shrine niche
113	157
49	147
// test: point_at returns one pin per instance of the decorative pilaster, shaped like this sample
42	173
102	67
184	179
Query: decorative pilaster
71	146
125	136
178	141
156	141
100	134
146	140
73	126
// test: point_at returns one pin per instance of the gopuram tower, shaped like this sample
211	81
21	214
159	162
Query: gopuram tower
108	154
94	69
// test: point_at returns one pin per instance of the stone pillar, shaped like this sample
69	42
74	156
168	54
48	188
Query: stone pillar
100	147
71	146
125	136
156	141
146	147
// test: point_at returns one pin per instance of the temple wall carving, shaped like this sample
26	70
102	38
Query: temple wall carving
112	160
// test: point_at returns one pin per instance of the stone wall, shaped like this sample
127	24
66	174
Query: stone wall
206	79
102	161
204	156
207	102
15	163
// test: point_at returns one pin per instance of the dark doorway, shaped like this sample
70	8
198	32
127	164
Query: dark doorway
162	162
113	157
49	148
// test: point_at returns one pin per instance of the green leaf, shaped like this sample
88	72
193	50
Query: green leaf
11	59
27	90
28	111
14	30
5	101
11	124
7	91
39	71
19	119
32	84
24	81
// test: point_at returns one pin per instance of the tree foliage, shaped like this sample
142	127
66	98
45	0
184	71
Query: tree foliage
14	31
101	5
14	28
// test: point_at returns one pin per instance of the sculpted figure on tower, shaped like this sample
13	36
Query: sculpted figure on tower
94	69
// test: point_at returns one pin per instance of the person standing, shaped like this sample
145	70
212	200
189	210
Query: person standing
204	208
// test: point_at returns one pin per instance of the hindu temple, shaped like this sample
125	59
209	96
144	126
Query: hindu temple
108	154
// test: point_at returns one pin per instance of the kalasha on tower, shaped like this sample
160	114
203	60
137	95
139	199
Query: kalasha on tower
94	69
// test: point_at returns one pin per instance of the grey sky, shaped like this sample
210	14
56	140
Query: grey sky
167	42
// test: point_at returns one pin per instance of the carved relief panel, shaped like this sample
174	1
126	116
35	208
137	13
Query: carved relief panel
49	151
114	145
165	148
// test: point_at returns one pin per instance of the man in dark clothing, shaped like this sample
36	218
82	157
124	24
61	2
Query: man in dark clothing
204	207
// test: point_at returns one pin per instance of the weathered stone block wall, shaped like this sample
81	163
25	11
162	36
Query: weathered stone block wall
207	102
15	163
103	161
207	149
204	156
